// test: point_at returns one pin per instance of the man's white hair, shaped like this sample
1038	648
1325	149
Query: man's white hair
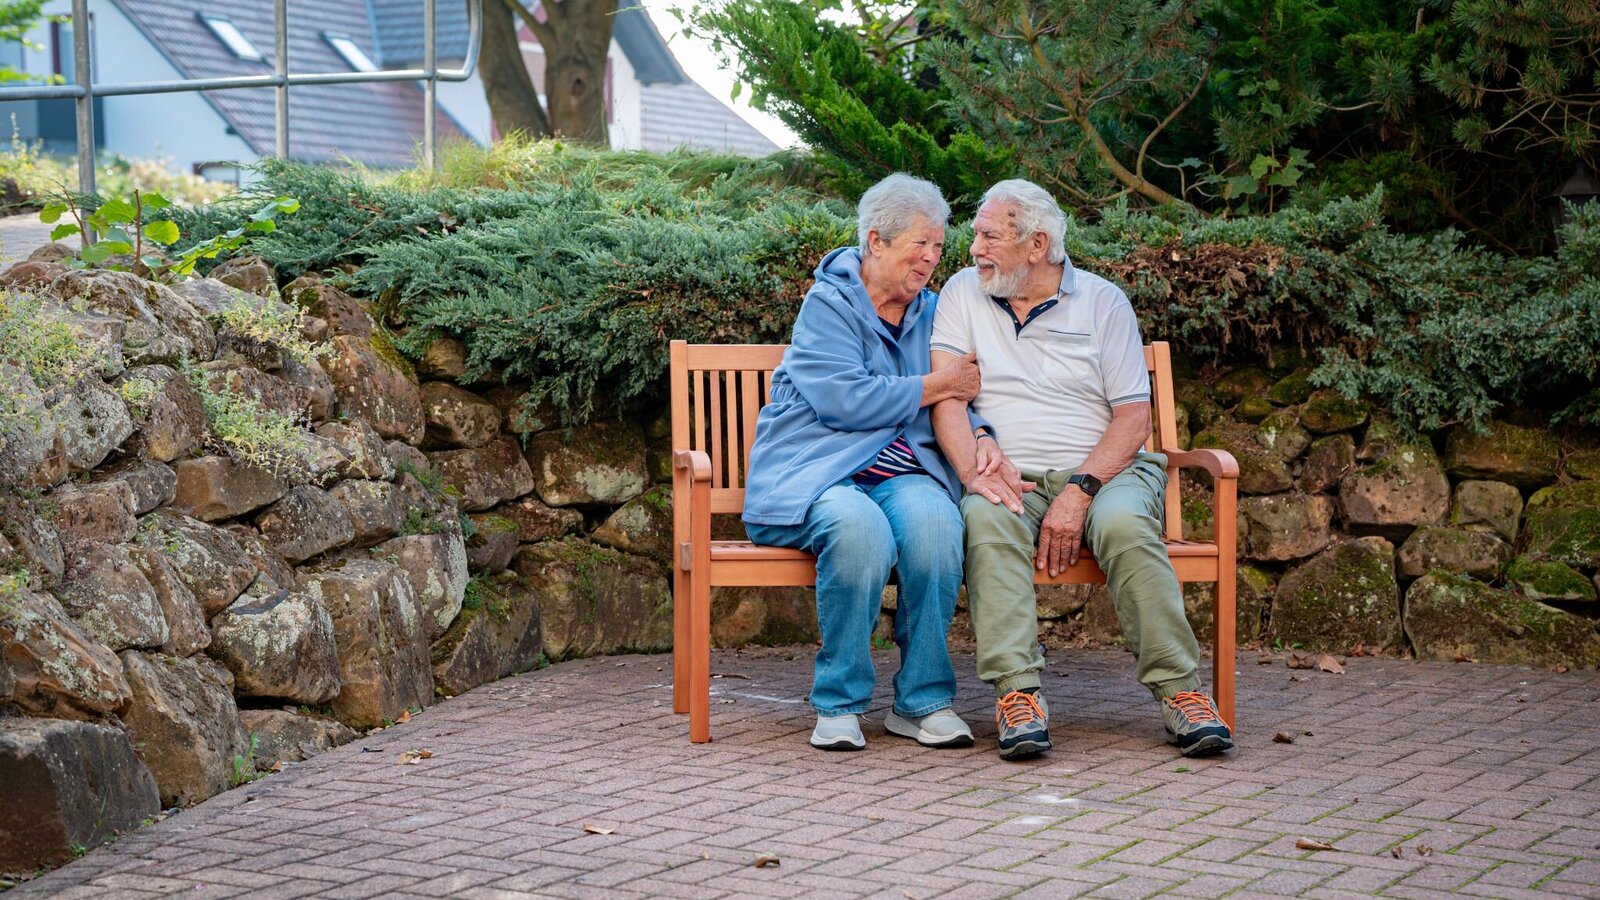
1035	210
895	204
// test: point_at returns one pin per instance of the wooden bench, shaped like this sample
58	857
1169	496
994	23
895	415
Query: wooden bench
717	391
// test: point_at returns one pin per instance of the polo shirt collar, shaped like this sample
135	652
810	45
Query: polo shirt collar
1069	283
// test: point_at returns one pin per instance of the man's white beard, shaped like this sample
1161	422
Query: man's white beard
998	283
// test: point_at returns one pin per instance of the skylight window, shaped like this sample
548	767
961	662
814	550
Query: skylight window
351	52
232	38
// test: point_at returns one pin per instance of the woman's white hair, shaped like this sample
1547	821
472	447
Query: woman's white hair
1035	210
895	204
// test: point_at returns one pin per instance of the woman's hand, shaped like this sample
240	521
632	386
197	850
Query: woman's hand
958	380
989	458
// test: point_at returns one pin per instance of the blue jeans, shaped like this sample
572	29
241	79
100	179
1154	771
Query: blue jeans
907	524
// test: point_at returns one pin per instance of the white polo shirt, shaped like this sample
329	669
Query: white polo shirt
1048	385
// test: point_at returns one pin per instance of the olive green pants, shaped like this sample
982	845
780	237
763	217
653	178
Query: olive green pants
1124	532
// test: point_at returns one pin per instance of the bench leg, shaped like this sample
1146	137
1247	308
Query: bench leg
699	658
1222	658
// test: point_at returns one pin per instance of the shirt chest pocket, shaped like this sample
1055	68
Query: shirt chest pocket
1069	359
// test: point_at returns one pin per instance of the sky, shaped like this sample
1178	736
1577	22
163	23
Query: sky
703	66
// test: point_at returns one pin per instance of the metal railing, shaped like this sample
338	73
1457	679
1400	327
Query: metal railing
84	91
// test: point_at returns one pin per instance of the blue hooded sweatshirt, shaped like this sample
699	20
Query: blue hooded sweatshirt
846	388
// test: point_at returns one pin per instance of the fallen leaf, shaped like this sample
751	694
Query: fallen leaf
404	717
1309	844
410	757
1424	850
1266	658
1330	665
1559	669
1360	649
1397	852
1283	738
1462	657
767	859
598	828
1298	661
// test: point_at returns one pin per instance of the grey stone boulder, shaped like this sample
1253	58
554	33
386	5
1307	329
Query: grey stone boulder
1330	458
1562	523
153	484
311	378
284	736
364	447
1546	580
93	421
325	460
601	462
1344	596
1525	457
372	382
372	508
100	512
1253	590
111	600
305	522
1451	616
33	543
1494	505
278	643
250	274
173	422
271	569
344	314
594	600
436	567
445	359
535	522
187	633
162	326
382	639
457	418
69	786
643	526
268	391
404	456
497	634
1240	384
55	669
1262	470
492	543
1479	554
521	415
764	615
1407	487
217	487
32	452
209	560
184	718
1284	527
485	476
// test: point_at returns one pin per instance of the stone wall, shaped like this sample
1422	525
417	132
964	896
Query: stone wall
173	621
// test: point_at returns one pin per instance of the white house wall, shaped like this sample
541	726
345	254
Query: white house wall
181	128
625	131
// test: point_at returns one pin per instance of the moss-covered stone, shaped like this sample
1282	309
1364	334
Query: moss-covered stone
1584	464
1253	592
1280	433
1292	389
1452	616
1563	523
1344	596
1479	554
1235	386
1525	457
497	634
1327	411
643	525
601	462
1282	527
1542	580
1405	488
1253	409
1381	438
594	600
1330	458
1494	505
763	615
1261	469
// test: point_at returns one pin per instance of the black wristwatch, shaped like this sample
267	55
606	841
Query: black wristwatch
1087	483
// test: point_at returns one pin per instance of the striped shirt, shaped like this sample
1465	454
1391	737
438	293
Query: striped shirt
896	459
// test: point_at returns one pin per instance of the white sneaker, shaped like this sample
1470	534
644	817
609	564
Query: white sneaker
838	733
940	728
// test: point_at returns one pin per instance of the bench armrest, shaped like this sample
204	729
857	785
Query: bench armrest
1220	463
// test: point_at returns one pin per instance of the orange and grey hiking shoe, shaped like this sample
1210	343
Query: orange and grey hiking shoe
1194	724
1023	720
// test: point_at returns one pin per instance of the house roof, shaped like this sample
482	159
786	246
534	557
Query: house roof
686	115
376	123
397	30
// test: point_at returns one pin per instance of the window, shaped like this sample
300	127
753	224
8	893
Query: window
352	53
232	38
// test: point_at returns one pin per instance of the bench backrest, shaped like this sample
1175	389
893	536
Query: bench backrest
719	389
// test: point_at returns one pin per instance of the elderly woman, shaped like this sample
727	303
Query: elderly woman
845	465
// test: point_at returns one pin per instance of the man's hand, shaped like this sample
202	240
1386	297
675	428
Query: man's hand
997	479
1061	532
990	456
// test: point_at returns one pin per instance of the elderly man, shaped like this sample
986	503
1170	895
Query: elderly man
1066	390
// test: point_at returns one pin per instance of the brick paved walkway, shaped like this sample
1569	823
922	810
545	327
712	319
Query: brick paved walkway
1495	769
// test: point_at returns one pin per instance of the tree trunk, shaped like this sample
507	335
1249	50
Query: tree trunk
513	102
575	67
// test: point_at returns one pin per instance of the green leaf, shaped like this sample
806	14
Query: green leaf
117	210
164	233
52	213
97	253
153	200
1261	165
119	235
65	229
